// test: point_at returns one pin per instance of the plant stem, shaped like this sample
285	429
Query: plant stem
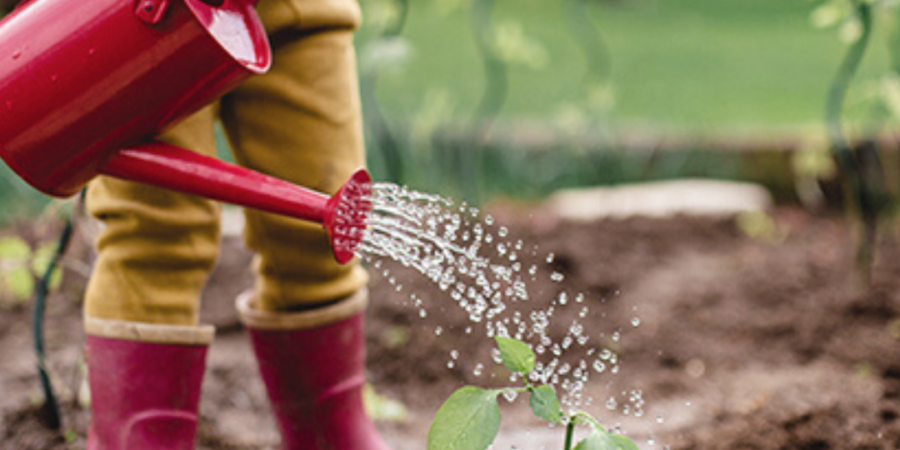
850	168
377	127
50	407
589	39
839	87
394	29
570	432
495	70
588	418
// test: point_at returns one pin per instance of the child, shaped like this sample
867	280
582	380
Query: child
145	347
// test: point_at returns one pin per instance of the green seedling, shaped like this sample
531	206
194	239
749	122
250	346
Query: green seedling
470	418
20	266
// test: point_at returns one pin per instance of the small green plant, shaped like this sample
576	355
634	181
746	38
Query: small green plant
470	418
20	266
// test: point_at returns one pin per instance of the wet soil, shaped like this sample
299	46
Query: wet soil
771	341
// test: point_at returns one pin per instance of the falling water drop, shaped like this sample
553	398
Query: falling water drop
611	404
452	246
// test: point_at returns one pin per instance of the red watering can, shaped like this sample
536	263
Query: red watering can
86	85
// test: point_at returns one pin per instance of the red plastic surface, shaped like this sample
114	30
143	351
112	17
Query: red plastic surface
172	167
80	80
344	215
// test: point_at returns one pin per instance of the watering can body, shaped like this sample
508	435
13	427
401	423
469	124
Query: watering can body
80	80
85	85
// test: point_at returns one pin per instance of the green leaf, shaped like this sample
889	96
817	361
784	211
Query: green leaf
468	420
593	441
622	443
15	278
599	439
545	405
41	261
18	282
14	248
516	355
381	408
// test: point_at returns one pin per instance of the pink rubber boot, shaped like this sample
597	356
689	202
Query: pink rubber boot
312	363
145	384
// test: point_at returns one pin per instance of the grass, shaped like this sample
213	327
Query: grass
686	65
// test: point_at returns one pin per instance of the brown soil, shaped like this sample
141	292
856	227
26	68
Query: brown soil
773	342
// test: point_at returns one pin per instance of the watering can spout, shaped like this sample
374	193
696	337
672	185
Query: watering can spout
343	215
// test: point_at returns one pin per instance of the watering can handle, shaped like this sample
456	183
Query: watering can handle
171	167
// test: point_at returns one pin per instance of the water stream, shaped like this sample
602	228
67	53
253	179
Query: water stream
491	275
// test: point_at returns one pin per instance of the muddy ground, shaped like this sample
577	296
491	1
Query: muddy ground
771	341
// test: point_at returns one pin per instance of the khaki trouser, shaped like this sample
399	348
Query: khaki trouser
299	122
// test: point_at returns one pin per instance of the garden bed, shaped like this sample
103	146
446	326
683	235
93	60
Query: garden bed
765	342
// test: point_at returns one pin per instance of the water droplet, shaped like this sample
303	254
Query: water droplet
660	419
510	396
635	321
611	404
450	244
16	54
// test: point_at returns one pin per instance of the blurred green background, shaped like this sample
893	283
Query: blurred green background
687	65
480	98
